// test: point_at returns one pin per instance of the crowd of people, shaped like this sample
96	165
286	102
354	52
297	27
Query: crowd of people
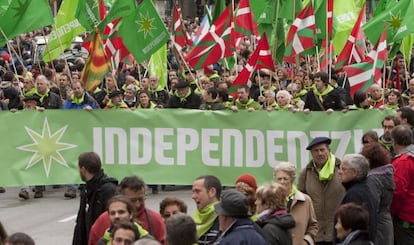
360	197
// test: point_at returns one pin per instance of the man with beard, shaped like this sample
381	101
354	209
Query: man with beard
120	209
133	188
94	195
388	123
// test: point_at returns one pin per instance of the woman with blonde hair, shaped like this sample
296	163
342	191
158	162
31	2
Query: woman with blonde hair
273	217
299	205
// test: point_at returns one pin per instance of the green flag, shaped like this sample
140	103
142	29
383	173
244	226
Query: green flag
345	15
87	13
406	47
158	65
407	25
143	32
289	9
218	8
119	8
67	27
392	17
23	16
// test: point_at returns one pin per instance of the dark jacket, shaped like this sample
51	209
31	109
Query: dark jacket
192	101
160	96
216	105
241	232
330	101
93	199
276	229
357	237
87	100
51	101
381	183
357	191
211	235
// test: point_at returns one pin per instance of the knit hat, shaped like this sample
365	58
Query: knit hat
248	179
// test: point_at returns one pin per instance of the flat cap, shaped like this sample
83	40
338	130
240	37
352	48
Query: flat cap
317	141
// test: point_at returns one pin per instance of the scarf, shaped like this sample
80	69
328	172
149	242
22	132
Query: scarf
78	101
351	236
151	105
183	98
30	92
327	172
326	91
42	97
286	107
292	192
204	219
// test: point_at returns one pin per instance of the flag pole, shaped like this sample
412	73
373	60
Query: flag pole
276	37
186	65
10	51
405	67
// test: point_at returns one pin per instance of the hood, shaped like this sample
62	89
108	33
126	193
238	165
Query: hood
100	179
385	169
284	221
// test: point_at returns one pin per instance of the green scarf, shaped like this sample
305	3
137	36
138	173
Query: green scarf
111	105
326	91
292	192
42	97
76	100
327	172
391	106
141	231
204	219
286	107
152	105
184	98
30	92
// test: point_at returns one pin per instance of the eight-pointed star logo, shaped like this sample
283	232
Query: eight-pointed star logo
395	20
46	147
146	24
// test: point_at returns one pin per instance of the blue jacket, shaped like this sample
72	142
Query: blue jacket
241	232
87	100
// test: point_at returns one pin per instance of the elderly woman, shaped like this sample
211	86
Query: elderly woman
353	171
351	224
273	217
299	205
283	98
380	181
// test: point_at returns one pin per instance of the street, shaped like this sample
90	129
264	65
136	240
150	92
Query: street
50	220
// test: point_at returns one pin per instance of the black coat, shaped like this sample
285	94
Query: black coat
192	101
275	229
330	101
93	199
51	101
358	191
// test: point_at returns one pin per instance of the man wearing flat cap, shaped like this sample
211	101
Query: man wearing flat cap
116	101
184	97
321	181
234	221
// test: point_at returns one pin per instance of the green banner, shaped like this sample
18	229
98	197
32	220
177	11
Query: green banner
169	146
